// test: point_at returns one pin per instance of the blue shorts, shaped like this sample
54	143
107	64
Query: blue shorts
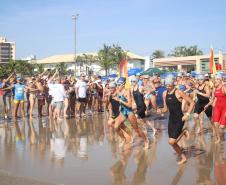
126	112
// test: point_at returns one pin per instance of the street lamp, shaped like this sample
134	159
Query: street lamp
74	18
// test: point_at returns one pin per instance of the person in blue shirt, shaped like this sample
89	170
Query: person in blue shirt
19	88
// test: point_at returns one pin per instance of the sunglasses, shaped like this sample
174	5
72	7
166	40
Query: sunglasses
133	81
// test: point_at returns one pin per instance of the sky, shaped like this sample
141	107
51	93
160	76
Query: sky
45	27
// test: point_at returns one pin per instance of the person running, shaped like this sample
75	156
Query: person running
148	88
159	90
203	94
172	99
138	97
114	111
218	101
126	112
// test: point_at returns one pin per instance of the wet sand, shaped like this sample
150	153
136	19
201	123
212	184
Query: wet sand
86	152
9	179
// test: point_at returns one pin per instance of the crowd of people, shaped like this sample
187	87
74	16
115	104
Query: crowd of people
129	108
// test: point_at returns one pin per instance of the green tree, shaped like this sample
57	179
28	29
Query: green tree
193	50
90	59
105	58
118	54
39	67
62	68
110	57
158	54
182	51
19	66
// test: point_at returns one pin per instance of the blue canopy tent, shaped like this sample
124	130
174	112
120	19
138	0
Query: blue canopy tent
104	78
112	76
134	71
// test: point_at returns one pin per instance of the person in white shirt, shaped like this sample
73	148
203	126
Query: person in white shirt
81	94
57	92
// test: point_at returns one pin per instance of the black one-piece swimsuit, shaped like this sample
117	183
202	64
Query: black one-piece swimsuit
175	123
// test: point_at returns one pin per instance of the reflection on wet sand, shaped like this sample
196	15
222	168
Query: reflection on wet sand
55	149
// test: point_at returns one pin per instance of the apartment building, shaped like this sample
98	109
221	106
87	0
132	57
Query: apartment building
7	50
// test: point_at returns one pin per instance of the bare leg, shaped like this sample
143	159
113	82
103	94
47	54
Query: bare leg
16	106
65	107
151	125
133	120
22	109
32	104
173	143
217	129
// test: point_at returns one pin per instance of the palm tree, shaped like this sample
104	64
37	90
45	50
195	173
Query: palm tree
158	54
110	57
40	67
62	68
105	58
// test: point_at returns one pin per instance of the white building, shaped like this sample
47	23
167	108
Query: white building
134	61
7	50
199	63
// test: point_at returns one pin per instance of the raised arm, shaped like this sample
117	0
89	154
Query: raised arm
54	75
9	77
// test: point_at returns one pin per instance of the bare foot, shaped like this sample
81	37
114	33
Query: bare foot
146	145
154	131
183	160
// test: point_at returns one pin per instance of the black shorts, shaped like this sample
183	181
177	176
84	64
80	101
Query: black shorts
175	126
82	100
199	107
141	112
115	116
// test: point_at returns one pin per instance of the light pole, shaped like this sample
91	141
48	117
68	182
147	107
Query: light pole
74	18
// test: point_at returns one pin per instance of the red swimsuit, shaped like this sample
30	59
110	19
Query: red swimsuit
219	111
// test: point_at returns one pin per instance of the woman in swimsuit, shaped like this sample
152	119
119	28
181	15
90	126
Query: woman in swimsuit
126	112
172	100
